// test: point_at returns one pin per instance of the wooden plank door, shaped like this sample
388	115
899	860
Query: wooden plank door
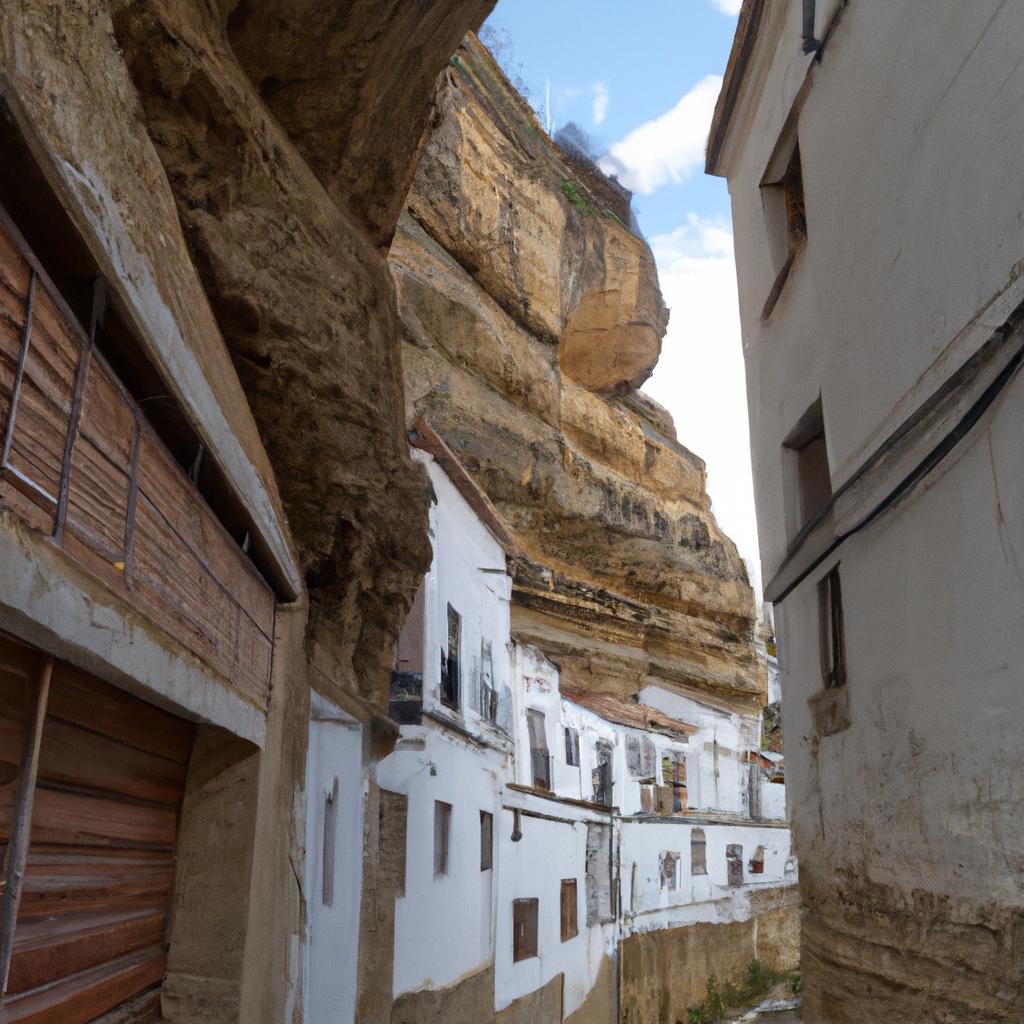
93	910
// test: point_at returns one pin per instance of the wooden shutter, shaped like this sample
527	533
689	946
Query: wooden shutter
569	926
524	928
92	915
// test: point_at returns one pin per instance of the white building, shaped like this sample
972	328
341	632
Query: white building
543	828
872	152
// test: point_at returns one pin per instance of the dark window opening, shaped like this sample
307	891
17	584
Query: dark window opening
809	464
698	852
450	682
792	185
540	760
38	216
572	747
524	929
602	775
833	643
486	841
442	837
569	925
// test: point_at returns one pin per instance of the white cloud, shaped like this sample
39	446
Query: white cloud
700	376
601	101
669	148
730	7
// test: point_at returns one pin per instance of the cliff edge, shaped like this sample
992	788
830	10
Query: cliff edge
530	316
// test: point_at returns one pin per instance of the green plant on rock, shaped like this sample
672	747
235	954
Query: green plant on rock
573	195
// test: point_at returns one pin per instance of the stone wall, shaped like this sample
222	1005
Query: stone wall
664	973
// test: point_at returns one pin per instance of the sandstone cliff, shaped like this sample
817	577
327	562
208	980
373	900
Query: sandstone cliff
531	315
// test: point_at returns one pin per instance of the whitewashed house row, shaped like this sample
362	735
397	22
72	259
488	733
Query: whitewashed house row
544	827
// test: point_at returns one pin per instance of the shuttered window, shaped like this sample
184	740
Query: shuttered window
569	925
524	928
101	776
540	760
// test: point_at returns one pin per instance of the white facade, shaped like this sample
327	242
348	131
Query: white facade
535	769
897	325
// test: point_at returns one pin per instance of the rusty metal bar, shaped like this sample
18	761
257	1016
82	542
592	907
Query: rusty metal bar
21	826
99	299
19	372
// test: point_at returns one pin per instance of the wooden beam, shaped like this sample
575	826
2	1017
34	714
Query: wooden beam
21	826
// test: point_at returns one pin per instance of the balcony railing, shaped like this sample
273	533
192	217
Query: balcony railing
80	464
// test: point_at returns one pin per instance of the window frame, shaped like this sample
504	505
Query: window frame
569	925
525	917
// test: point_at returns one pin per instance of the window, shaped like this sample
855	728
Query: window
442	837
488	694
698	852
734	864
808	465
670	871
640	757
786	214
51	234
570	928
602	775
673	774
486	840
450	661
524	929
540	761
833	644
572	747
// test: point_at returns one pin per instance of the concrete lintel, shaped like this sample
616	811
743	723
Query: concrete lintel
46	600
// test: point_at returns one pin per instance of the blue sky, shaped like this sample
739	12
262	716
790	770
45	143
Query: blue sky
641	80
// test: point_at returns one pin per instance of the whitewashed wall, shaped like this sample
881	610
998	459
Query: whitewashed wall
548	852
443	926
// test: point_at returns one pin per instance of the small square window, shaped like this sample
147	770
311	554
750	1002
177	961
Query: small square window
524	929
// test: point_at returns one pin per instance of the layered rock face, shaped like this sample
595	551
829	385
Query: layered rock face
531	315
235	99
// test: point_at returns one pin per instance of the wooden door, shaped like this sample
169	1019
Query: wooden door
91	910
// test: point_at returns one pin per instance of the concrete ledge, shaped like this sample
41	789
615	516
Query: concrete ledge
47	600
